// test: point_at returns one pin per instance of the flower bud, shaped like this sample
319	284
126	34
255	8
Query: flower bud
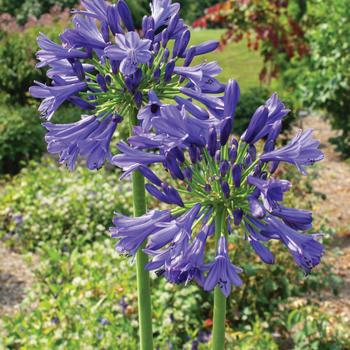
102	82
212	142
125	15
237	216
169	69
225	189
231	97
226	129
236	175
113	19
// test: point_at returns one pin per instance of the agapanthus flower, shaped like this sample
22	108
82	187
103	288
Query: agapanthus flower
301	151
213	172
221	271
105	66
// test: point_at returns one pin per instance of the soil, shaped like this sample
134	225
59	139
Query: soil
16	278
331	179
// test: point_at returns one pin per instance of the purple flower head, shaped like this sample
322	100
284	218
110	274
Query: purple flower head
130	50
222	272
306	251
132	232
89	138
103	64
54	96
301	151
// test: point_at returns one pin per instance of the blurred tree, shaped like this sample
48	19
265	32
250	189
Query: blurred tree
275	28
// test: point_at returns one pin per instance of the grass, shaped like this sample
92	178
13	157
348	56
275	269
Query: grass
236	60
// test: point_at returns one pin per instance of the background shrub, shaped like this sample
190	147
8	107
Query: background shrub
21	137
17	61
68	209
322	79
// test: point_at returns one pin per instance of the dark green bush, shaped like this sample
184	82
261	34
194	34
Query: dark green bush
17	62
21	137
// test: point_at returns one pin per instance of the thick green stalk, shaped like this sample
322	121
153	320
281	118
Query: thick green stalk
219	298
143	281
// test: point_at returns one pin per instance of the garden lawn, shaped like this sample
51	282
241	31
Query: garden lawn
236	60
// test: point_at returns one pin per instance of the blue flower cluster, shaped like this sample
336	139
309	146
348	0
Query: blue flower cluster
185	125
210	171
109	69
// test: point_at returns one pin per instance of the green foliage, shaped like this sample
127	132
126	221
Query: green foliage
21	137
45	203
76	305
17	62
322	79
312	329
191	10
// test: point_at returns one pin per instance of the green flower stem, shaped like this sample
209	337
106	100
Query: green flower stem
143	280
219	298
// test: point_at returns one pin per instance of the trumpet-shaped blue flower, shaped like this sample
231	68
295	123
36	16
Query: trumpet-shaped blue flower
221	271
54	96
130	50
89	138
306	250
301	151
133	232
